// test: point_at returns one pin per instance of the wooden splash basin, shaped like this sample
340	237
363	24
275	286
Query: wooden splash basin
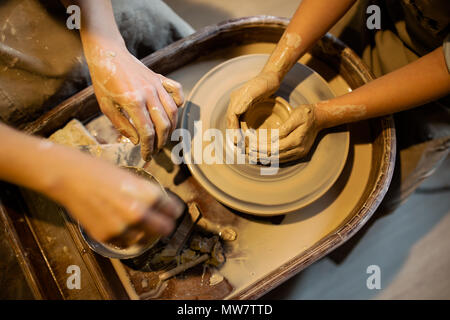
267	251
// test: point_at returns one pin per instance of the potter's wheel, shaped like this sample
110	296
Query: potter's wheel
242	186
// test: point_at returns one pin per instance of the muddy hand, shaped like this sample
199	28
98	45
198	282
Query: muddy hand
141	104
296	135
255	90
112	203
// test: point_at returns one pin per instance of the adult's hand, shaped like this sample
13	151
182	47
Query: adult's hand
105	199
111	203
141	104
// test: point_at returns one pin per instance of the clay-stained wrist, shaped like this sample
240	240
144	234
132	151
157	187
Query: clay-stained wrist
286	53
271	82
331	113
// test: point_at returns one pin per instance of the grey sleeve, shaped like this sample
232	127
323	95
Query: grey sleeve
447	51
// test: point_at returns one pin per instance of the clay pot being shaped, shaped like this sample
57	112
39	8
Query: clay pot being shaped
268	114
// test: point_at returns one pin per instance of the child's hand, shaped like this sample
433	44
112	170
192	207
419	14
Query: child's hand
296	135
256	89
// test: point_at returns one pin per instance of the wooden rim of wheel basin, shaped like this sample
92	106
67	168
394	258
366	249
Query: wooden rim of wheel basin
246	30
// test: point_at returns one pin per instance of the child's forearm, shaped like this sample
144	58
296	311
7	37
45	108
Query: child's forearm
422	81
310	22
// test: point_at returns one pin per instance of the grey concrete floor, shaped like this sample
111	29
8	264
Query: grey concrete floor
411	245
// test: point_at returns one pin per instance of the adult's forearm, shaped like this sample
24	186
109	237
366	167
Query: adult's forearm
97	21
310	22
22	160
422	81
34	162
39	164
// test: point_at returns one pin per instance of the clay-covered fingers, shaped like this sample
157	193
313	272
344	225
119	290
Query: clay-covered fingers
169	106
294	139
290	141
297	144
298	117
157	223
160	218
253	91
151	224
281	156
240	100
170	206
140	116
297	129
174	89
159	117
118	119
293	154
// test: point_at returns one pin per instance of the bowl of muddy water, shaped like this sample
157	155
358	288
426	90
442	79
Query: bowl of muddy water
141	242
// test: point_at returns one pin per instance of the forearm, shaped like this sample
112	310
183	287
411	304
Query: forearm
422	81
104	199
97	22
310	22
37	163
